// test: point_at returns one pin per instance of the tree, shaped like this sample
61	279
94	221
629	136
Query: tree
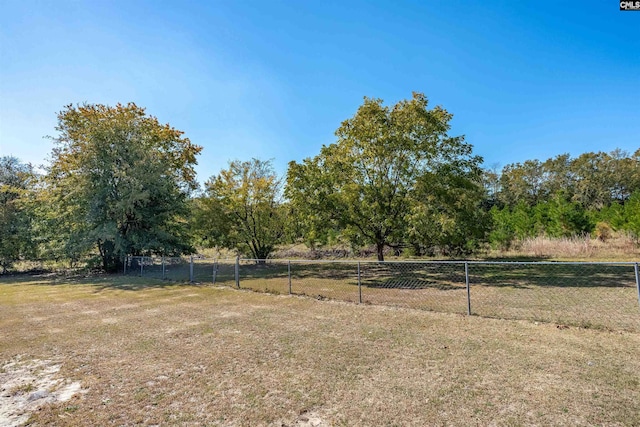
365	184
522	182
566	219
558	177
513	223
592	184
632	215
17	182
119	182
503	231
242	209
623	174
448	214
491	183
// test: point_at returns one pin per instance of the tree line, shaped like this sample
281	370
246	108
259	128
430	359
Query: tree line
120	183
594	193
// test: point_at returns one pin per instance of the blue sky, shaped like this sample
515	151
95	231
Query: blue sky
274	79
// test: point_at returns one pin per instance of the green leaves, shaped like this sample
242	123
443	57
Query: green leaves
564	196
594	180
119	181
367	183
242	209
17	184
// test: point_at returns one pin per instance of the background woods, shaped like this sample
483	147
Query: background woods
120	183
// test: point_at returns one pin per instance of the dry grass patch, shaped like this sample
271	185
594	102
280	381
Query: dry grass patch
151	354
587	295
622	247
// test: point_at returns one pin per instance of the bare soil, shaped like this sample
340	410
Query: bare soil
29	384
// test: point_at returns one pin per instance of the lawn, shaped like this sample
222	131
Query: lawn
148	352
590	295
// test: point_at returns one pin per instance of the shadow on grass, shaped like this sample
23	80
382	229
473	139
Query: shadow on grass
410	284
406	275
548	275
99	281
516	258
445	276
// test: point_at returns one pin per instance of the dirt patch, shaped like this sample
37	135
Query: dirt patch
310	419
28	384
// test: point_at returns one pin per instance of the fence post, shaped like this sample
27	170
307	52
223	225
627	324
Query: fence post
163	269
359	285
215	271
126	259
289	273
191	269
141	264
238	272
466	279
637	280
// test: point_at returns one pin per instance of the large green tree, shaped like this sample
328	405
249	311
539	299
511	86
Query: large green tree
448	213
242	209
118	183
17	182
367	183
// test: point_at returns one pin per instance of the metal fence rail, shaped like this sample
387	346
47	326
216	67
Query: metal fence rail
593	294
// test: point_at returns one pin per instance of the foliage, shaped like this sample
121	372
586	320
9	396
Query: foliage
448	215
603	231
594	180
522	182
242	209
565	218
556	218
118	182
562	197
632	215
17	183
373	181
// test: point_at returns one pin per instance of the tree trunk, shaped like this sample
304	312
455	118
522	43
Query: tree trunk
111	262
262	253
380	250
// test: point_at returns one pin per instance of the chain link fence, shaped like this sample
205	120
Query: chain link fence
590	294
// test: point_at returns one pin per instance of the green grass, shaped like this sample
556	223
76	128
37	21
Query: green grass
151	352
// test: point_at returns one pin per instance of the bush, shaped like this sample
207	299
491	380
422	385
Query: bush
603	231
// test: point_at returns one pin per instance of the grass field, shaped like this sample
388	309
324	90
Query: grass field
148	352
590	295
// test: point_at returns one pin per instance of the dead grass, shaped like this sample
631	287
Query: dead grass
151	354
622	247
598	296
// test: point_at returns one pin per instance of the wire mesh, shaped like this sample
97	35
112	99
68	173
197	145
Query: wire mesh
169	268
264	275
203	269
438	286
224	272
176	269
582	294
601	295
152	267
325	279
